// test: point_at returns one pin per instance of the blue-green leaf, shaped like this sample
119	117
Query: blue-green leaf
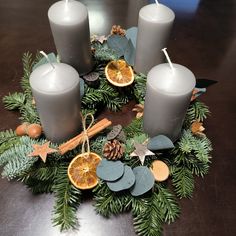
118	43
130	53
131	34
81	84
110	170
125	182
160	142
144	181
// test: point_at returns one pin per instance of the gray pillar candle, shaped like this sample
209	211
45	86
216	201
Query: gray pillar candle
167	99
154	26
57	95
70	29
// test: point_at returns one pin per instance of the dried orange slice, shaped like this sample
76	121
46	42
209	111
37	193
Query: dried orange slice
119	73
82	170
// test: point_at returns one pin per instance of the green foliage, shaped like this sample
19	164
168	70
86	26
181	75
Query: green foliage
135	128
140	87
8	139
67	201
150	218
14	101
196	111
183	181
16	161
168	204
105	95
103	52
108	202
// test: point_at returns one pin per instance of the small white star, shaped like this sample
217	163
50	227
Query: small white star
141	151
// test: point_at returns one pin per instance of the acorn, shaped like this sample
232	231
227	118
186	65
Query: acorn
22	129
34	131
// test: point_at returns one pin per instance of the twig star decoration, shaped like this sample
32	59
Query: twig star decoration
141	151
42	151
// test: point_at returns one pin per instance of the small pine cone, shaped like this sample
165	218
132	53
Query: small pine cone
116	29
113	150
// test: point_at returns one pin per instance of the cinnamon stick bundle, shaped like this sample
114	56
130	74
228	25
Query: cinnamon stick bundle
77	140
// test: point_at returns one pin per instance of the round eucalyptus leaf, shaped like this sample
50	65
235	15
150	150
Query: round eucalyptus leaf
160	142
125	182
144	181
110	170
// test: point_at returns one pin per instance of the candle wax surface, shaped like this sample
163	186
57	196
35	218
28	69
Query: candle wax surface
178	81
69	13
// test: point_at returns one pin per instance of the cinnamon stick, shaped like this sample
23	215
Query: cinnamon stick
77	140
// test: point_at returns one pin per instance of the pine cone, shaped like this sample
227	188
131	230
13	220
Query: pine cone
116	29
113	150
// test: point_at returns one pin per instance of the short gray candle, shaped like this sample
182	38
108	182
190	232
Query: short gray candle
57	95
70	29
167	99
154	26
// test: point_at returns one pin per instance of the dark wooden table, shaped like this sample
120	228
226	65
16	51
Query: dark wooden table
204	40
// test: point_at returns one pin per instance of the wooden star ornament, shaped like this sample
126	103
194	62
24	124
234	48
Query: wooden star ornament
141	151
42	151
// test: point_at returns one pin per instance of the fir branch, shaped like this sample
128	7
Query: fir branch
28	63
16	161
8	139
150	219
140	87
38	186
106	95
108	202
197	111
68	199
135	128
14	101
183	181
29	113
103	52
168	204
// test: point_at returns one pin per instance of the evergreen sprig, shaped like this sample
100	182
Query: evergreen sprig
68	198
15	161
151	217
108	202
183	181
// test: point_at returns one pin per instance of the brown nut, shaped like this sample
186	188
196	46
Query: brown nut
34	131
22	129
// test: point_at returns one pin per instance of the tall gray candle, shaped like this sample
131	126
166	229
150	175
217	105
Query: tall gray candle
70	28
168	94
57	95
154	26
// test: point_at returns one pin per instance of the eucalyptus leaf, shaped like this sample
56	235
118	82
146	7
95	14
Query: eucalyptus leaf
81	84
204	83
125	182
200	92
130	53
160	142
131	34
118	43
110	170
51	56
144	181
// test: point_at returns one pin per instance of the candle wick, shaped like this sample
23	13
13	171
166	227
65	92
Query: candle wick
157	2
168	58
67	2
46	56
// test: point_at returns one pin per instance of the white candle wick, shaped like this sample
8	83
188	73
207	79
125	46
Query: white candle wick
46	56
157	2
67	2
168	58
